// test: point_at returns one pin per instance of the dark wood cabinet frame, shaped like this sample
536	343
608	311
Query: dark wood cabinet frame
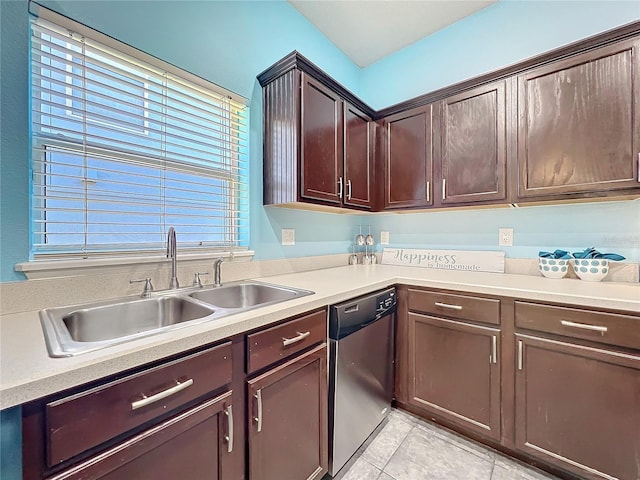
92	431
594	357
282	157
205	416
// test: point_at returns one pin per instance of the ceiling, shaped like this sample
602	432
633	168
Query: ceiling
368	30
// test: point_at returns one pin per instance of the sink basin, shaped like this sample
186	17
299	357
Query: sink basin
72	330
247	295
129	318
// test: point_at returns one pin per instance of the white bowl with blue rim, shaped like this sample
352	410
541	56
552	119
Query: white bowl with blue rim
591	269
553	267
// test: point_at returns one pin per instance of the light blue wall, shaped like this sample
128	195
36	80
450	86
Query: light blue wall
259	33
252	34
183	32
14	137
503	34
11	444
609	226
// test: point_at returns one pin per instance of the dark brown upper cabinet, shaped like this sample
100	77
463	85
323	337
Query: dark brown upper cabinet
408	165
318	140
579	124
320	143
473	146
560	126
358	158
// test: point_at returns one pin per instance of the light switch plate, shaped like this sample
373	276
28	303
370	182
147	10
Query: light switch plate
384	238
288	236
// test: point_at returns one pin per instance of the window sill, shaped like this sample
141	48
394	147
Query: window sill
40	269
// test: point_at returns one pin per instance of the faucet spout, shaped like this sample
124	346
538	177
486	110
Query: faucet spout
172	250
216	272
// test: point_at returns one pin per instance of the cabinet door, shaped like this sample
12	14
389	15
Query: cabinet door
409	159
288	420
473	145
357	157
190	445
320	143
579	407
454	372
579	123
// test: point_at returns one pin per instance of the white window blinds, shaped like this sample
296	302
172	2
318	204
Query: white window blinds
123	150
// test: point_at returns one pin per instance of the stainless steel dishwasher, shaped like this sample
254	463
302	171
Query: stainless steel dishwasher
361	353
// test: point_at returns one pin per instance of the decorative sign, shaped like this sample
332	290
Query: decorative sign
445	259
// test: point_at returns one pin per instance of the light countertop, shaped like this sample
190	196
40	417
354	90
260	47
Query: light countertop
28	373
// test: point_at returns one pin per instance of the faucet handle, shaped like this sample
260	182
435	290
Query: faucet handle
148	287
196	278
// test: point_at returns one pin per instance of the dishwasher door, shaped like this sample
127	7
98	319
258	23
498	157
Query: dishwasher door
361	383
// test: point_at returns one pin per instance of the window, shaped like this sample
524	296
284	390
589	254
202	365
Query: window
125	146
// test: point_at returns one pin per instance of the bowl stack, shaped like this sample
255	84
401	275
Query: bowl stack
554	264
553	267
589	265
591	269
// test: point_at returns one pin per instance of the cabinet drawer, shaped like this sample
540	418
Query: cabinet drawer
275	343
83	421
463	307
609	328
187	445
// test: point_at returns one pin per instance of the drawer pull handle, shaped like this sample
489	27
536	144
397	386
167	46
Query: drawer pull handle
229	438
446	305
520	355
144	401
298	338
494	349
258	419
584	326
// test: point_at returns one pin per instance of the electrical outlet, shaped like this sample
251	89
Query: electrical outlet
384	238
505	237
288	236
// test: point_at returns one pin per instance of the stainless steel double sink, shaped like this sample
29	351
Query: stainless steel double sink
73	330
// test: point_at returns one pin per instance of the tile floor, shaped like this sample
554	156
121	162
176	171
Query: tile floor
408	448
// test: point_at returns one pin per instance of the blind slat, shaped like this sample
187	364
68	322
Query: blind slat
149	155
106	163
211	113
123	149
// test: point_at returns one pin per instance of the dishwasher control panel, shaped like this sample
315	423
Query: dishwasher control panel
348	317
385	301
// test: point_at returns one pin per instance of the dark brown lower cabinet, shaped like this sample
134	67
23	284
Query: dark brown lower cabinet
192	445
288	419
578	407
454	372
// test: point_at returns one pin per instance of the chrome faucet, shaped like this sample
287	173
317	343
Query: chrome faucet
216	272
172	254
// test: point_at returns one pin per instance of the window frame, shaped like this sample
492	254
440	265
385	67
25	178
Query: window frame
233	236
